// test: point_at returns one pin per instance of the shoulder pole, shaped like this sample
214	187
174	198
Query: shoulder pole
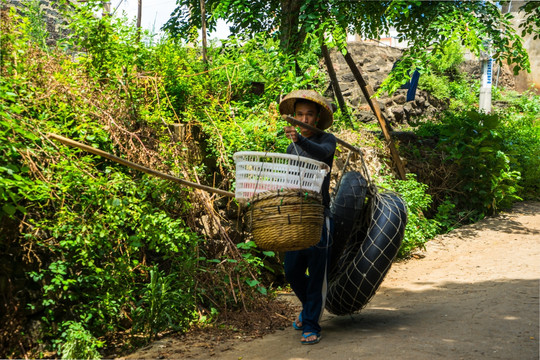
135	166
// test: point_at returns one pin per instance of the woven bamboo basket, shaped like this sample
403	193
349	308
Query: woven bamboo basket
286	220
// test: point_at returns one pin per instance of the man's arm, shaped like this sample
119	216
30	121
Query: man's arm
321	151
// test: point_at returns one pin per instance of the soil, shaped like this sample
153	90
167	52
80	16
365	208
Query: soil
470	294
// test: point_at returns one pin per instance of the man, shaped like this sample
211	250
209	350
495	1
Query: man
312	109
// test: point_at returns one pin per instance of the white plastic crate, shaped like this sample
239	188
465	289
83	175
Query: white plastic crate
258	172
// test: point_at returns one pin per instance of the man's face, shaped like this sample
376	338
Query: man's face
308	114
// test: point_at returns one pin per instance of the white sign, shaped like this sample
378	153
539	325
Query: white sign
487	72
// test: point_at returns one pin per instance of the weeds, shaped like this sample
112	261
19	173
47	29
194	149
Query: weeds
419	229
78	343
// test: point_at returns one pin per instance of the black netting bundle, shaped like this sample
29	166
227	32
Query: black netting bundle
367	238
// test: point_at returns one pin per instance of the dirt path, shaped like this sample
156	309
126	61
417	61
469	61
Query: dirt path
472	294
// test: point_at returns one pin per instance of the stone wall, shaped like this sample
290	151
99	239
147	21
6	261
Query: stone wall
375	63
51	10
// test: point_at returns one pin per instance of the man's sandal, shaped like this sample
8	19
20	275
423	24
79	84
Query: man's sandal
295	323
310	342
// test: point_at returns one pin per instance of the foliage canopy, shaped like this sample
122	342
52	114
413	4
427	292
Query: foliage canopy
426	25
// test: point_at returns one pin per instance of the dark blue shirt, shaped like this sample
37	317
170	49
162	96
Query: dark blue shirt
320	147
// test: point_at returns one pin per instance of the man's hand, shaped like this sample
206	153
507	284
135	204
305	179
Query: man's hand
291	133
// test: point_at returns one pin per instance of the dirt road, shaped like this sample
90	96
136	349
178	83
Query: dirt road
472	294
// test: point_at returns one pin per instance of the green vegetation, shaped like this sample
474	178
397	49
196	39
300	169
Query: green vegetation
79	343
419	229
88	234
443	78
486	161
93	252
428	26
103	250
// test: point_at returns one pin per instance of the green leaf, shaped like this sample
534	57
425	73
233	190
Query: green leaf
262	290
9	209
135	241
252	282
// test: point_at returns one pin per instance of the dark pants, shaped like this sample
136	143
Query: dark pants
310	288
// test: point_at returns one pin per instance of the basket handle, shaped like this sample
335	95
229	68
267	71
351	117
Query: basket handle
300	174
259	176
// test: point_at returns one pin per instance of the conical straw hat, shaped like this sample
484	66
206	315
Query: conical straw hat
286	106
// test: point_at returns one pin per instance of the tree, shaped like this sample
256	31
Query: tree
427	25
532	19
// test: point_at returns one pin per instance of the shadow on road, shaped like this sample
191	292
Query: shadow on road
498	319
504	223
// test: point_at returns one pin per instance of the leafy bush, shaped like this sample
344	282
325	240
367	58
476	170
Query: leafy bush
446	61
103	249
35	22
88	233
521	137
445	81
485	174
436	85
105	46
105	234
78	343
163	305
419	229
464	94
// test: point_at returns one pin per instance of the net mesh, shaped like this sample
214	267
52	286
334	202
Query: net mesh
369	248
347	208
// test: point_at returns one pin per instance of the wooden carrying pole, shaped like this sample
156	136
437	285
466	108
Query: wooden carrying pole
335	84
368	92
345	144
135	166
313	129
